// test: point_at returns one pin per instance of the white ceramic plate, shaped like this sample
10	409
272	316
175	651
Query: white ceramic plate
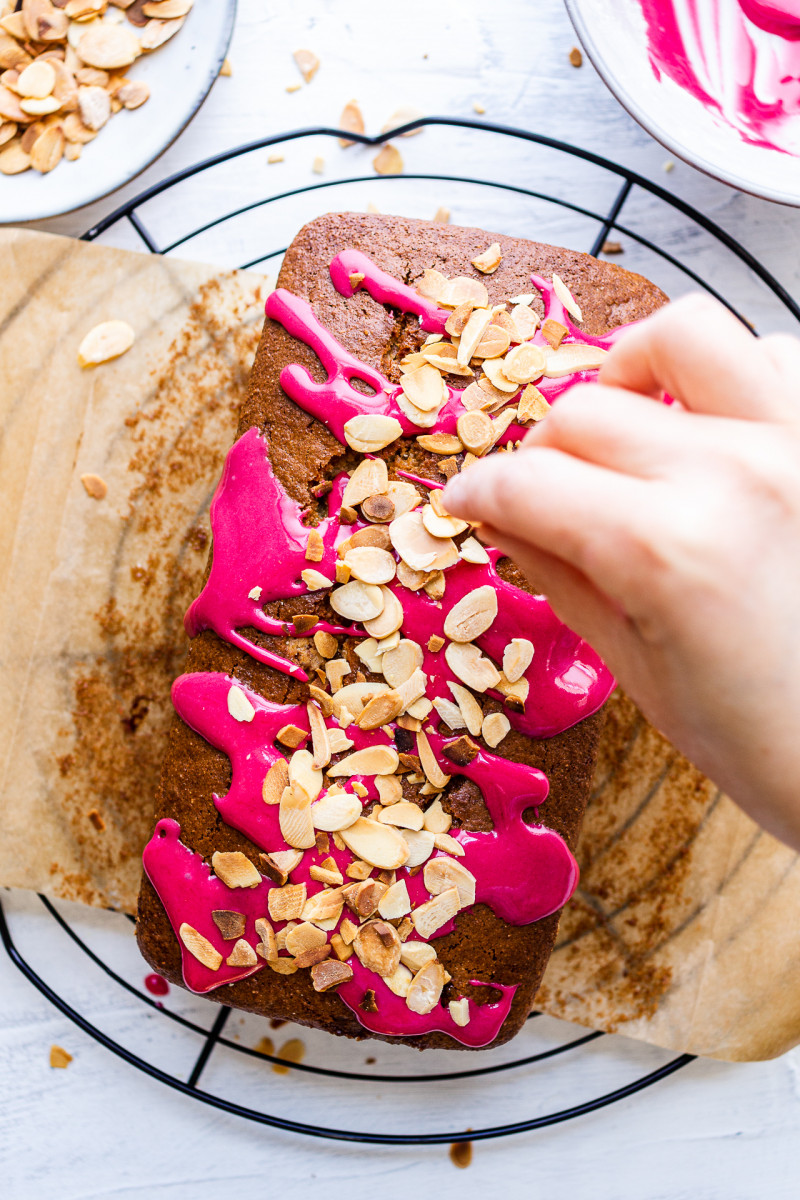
614	36
180	74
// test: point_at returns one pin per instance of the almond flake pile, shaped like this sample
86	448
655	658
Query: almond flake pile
63	72
361	909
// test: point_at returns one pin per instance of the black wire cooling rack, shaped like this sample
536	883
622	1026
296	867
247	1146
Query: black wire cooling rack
703	241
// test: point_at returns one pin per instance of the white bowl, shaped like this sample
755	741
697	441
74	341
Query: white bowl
180	74
614	36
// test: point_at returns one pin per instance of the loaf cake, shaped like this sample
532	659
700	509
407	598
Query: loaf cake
384	738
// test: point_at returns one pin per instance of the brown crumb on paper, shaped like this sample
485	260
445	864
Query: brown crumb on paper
95	487
59	1057
575	57
96	819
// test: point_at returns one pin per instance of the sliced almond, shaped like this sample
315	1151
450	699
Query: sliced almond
356	870
323	907
459	1010
489	260
554	333
156	33
524	363
375	843
475	431
424	388
472	551
307	63
357	601
370	478
105	341
315	547
494	343
315	581
432	284
430	766
444	356
389	619
286	903
431	916
134	93
294	816
329	974
442	526
525	320
435	819
403	815
566	297
461	290
239	706
380	710
335	812
319	738
470	708
303	775
36	81
517	657
418	548
235	869
335	671
355	695
401	663
48	150
573	356
369	432
473	332
326	872
532	405
108	47
426	987
468	663
352	120
455	323
403	116
304	937
372	760
388	160
230	923
378	947
370	564
441	874
440	443
399	981
450	713
390	789
416	955
493	370
340	948
291	736
411	579
283	966
94	106
412	690
378	508
419	846
279	865
325	644
404	496
370	655
201	949
268	946
494	729
242	955
472	615
339	741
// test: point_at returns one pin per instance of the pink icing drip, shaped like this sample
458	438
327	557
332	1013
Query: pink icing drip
190	893
740	57
385	289
260	541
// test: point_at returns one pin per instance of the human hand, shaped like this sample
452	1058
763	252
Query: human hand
669	537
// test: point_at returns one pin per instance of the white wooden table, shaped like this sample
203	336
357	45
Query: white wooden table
102	1129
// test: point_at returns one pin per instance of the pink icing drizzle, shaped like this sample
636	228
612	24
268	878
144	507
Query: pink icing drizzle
740	57
385	289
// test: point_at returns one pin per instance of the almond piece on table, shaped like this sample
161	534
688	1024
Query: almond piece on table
294	816
388	160
286	903
489	260
307	63
375	843
235	869
95	487
105	341
378	947
200	947
352	119
441	874
426	988
472	615
431	916
404	116
494	729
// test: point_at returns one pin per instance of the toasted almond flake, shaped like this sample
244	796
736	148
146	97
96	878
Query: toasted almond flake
111	47
339	741
532	405
575	57
283	966
275	780
462	289
355	695
441	874
286	903
239	706
493	369
40	108
554	333
340	948
335	812
105	341
517	657
370	655
435	819
444	356
443	841
370	478
291	736
268	946
470	708
430	766
475	430
418	549
235	869
416	955
294	816
390	789
455	323
468	663
375	843
472	551
567	299
356	870
94	106
388	643
95	487
472	615
432	284
417	416
459	1011
573	356
516	693
369	432
430	917
420	708
315	547
494	729
304	937
450	713
400	664
403	116
524	363
489	260
230	923
352	120
319	738
242	955
390	618
388	160
372	760
200	947
442	526
494	343
36	81
380	710
304	777
525	320
325	643
424	388
420	846
307	63
357	601
473	331
378	947
399	981
370	564
440	443
404	815
314	580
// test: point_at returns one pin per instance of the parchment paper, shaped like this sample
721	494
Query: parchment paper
684	931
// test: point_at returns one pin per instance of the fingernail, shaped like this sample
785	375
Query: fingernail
454	493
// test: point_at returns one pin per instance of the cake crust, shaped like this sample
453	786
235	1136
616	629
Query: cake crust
304	456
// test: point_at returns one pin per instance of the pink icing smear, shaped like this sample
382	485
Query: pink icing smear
523	871
739	57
